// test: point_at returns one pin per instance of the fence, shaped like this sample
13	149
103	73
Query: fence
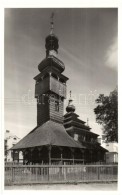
30	174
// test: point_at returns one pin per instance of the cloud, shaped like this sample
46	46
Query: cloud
112	55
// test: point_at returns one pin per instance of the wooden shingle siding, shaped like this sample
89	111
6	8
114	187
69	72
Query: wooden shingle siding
43	111
42	87
56	115
46	109
50	84
57	87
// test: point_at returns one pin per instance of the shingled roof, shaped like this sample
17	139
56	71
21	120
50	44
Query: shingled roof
50	133
94	146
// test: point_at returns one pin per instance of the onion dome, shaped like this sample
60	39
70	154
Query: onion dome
51	45
70	107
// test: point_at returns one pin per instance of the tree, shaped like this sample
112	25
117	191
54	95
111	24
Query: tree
107	114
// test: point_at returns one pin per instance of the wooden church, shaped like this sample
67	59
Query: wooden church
56	138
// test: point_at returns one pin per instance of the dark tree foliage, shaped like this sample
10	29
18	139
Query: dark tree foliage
107	114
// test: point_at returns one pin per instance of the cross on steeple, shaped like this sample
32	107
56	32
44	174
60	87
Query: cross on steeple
52	23
87	121
70	93
51	41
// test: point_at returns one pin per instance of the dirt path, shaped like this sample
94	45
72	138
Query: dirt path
86	187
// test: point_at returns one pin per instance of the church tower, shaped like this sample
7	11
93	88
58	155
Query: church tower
50	87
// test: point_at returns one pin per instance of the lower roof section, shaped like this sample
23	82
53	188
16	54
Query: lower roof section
50	133
81	131
94	146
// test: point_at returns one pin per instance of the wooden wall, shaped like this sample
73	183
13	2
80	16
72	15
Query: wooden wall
46	109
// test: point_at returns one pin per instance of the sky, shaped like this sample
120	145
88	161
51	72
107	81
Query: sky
87	45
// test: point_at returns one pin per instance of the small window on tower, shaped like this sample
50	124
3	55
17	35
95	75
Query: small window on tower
57	106
76	137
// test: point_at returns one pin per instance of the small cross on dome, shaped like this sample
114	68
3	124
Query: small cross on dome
52	23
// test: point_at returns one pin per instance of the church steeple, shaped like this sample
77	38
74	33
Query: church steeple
50	89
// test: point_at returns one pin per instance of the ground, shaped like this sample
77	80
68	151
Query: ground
91	186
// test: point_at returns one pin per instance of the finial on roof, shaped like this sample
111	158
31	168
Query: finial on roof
87	121
70	93
70	107
51	41
52	23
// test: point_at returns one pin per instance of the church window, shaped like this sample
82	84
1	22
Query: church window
76	137
57	106
84	138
